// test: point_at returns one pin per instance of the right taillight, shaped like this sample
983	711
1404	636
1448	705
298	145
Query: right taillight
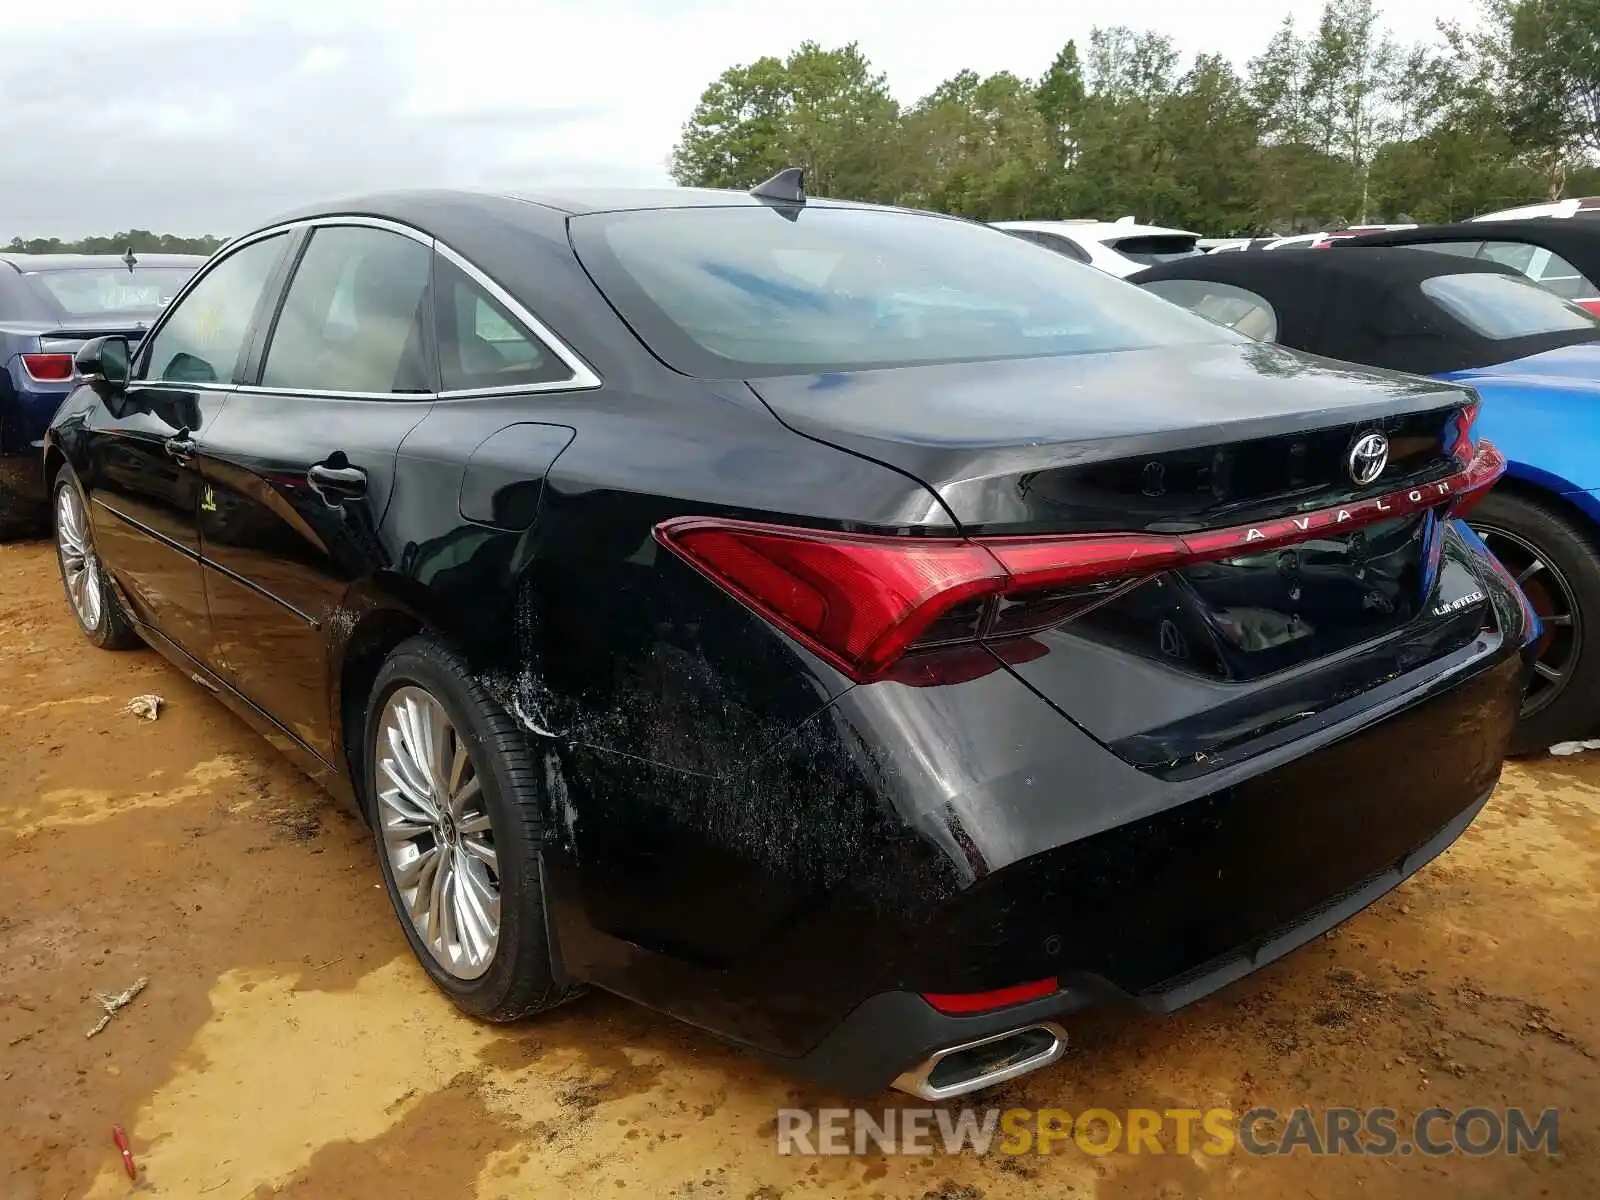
861	601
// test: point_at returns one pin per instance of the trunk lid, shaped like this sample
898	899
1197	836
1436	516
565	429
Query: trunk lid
1194	661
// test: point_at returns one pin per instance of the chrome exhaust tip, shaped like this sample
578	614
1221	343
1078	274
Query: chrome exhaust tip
957	1070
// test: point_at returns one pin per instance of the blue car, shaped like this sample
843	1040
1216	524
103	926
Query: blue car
1534	360
50	305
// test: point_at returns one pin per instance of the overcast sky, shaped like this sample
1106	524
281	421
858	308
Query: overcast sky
209	116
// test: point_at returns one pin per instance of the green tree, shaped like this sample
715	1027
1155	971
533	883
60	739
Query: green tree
824	110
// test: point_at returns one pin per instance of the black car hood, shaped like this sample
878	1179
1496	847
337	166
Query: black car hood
963	428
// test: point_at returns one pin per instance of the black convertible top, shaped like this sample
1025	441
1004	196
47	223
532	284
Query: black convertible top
1577	241
1367	305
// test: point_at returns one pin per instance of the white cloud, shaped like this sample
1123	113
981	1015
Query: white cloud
194	116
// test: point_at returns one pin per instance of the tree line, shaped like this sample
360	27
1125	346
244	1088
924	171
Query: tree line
1333	125
140	241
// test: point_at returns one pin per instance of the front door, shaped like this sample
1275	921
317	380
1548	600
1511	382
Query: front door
142	483
300	468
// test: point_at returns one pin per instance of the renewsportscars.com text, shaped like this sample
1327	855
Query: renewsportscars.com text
1431	1132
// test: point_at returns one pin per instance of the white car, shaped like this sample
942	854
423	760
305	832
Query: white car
1577	206
1116	247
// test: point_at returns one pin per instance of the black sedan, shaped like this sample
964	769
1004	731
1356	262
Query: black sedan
854	631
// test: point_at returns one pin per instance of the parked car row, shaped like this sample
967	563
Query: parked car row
50	304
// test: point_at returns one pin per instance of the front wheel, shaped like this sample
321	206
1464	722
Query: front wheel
94	602
1558	568
456	810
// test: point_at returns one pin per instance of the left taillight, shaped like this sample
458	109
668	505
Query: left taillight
48	368
1592	305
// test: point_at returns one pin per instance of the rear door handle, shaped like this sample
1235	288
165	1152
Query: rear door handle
334	484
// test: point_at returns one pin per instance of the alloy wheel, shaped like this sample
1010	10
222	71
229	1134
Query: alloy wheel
80	569
434	822
1552	597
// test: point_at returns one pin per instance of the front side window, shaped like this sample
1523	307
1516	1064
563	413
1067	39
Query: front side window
202	337
1237	308
752	291
1505	306
353	320
481	344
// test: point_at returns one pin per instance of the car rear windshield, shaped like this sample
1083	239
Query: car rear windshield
1157	248
99	291
1505	306
753	291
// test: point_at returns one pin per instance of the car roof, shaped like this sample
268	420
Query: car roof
577	201
1576	241
1098	231
70	262
1365	305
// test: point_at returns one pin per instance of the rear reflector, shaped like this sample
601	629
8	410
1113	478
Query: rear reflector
48	368
960	1003
860	601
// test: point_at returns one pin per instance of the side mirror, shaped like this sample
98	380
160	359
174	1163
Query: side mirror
103	364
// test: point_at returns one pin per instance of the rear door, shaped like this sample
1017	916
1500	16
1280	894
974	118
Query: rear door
141	475
301	467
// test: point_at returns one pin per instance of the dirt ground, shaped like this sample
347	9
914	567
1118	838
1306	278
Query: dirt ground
287	1045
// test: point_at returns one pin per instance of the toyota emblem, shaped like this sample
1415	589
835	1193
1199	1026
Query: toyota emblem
1368	457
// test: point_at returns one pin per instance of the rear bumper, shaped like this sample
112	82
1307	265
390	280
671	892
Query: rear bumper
892	1030
966	837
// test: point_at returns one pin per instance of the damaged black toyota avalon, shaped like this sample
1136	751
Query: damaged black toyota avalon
853	631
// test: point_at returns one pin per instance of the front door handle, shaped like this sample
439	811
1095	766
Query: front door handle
335	484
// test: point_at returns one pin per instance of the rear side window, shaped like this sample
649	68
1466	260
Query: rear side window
201	338
1157	248
482	344
752	291
1237	308
1504	306
102	291
353	320
1052	241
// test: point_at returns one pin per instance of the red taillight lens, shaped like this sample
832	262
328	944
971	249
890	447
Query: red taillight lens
1460	446
962	1003
1592	305
1473	484
48	368
860	601
857	600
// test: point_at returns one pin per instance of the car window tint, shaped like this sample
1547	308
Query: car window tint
1052	241
1516	255
1223	303
1151	249
481	344
1504	306
714	291
202	337
1565	280
98	291
353	318
1459	249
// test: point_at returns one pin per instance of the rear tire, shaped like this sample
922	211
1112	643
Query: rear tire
90	595
451	781
1557	564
